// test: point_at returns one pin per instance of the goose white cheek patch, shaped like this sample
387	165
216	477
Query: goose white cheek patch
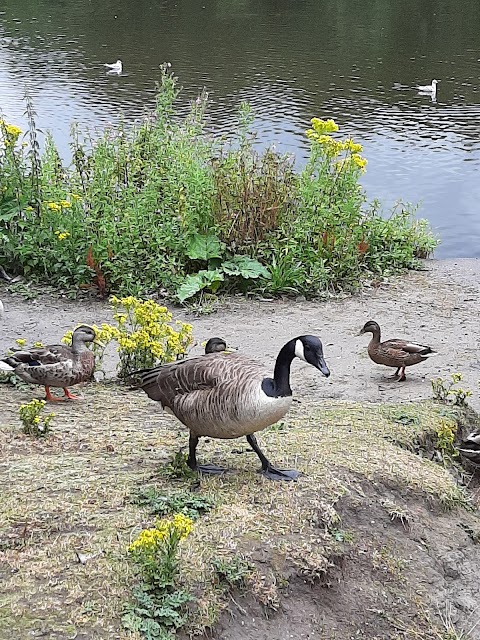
299	350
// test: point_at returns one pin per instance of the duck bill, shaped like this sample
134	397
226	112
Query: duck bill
322	366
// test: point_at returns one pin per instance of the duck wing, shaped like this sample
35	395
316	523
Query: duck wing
411	348
51	354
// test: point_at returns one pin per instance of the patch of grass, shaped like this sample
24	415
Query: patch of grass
386	561
71	493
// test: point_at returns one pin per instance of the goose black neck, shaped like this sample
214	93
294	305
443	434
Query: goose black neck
281	375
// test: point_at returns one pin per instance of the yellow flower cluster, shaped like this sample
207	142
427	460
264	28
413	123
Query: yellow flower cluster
10	133
144	332
58	206
333	148
149	540
33	422
322	126
62	235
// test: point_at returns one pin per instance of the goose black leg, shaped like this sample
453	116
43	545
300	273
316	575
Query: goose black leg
267	470
192	459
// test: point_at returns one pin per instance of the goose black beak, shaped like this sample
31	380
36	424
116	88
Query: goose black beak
322	366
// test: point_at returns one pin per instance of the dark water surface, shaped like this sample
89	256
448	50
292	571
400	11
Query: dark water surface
355	61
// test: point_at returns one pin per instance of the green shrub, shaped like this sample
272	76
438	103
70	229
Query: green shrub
163	205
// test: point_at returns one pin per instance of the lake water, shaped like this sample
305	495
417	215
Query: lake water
358	62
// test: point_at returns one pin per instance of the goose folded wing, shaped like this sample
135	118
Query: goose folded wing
165	382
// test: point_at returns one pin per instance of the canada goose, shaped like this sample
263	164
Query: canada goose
56	365
116	67
215	345
394	353
470	447
227	395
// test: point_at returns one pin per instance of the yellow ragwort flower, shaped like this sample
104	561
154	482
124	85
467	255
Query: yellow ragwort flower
62	235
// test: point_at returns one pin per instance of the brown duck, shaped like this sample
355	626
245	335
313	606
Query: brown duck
56	365
227	395
394	353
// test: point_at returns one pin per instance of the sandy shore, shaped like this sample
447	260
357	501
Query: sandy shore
438	306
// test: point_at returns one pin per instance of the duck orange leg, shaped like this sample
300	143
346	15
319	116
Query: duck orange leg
49	397
69	395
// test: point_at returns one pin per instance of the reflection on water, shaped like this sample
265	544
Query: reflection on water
356	62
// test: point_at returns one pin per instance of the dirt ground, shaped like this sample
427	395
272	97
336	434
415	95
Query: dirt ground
438	306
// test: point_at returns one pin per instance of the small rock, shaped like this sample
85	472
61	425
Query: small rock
451	564
466	602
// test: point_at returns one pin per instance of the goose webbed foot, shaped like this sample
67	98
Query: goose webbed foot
279	474
267	469
207	469
210	469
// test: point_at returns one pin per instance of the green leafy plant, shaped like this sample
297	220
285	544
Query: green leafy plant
34	423
232	572
209	249
178	467
158	609
447	391
187	503
446	433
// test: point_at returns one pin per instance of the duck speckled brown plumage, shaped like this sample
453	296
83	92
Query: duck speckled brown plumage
56	365
227	395
395	352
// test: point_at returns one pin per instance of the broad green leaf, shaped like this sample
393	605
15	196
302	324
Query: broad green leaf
198	281
204	247
245	267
